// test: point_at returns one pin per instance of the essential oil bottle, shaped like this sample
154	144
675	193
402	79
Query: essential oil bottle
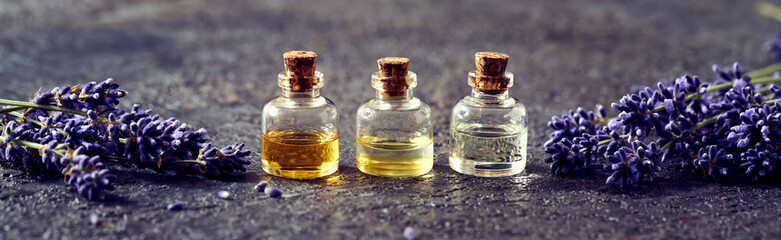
394	132
488	129
300	135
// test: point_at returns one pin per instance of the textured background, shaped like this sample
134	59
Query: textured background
214	66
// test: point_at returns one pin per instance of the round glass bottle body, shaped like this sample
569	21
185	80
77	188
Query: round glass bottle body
300	135
394	135
488	134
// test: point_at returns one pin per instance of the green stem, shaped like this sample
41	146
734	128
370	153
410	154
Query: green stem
34	145
40	106
116	158
757	73
765	71
19	115
723	86
706	122
27	143
12	109
606	141
24	105
698	126
188	161
201	164
668	145
766	80
40	146
20	105
768	10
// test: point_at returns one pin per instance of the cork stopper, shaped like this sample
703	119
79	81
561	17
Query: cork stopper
393	66
300	74
491	76
394	78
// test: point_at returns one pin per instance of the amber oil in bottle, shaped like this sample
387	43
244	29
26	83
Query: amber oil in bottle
300	137
300	155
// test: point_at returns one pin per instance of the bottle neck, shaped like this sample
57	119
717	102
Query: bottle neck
489	97
384	95
308	94
394	88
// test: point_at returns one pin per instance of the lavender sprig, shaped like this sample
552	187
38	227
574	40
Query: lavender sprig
579	129
730	128
73	130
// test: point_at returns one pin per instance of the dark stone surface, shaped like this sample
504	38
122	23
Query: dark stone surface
214	65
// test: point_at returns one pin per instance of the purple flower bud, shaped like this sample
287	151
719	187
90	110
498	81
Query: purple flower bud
175	206
261	186
273	192
224	194
409	233
94	219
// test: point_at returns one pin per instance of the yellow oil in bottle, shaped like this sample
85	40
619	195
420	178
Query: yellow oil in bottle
393	157
300	155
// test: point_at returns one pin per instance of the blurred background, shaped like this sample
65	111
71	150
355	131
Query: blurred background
192	56
213	64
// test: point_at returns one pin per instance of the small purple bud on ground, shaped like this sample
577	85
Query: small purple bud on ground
224	194
176	206
94	219
261	186
409	233
273	192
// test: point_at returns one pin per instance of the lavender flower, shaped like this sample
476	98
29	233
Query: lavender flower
88	175
761	162
633	164
757	125
575	124
712	161
774	46
576	131
704	126
101	97
636	116
41	140
565	157
228	159
735	75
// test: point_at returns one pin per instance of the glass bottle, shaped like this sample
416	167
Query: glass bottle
300	135
394	133
488	129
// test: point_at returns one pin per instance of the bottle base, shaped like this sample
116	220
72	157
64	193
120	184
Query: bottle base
298	173
487	169
394	170
395	158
